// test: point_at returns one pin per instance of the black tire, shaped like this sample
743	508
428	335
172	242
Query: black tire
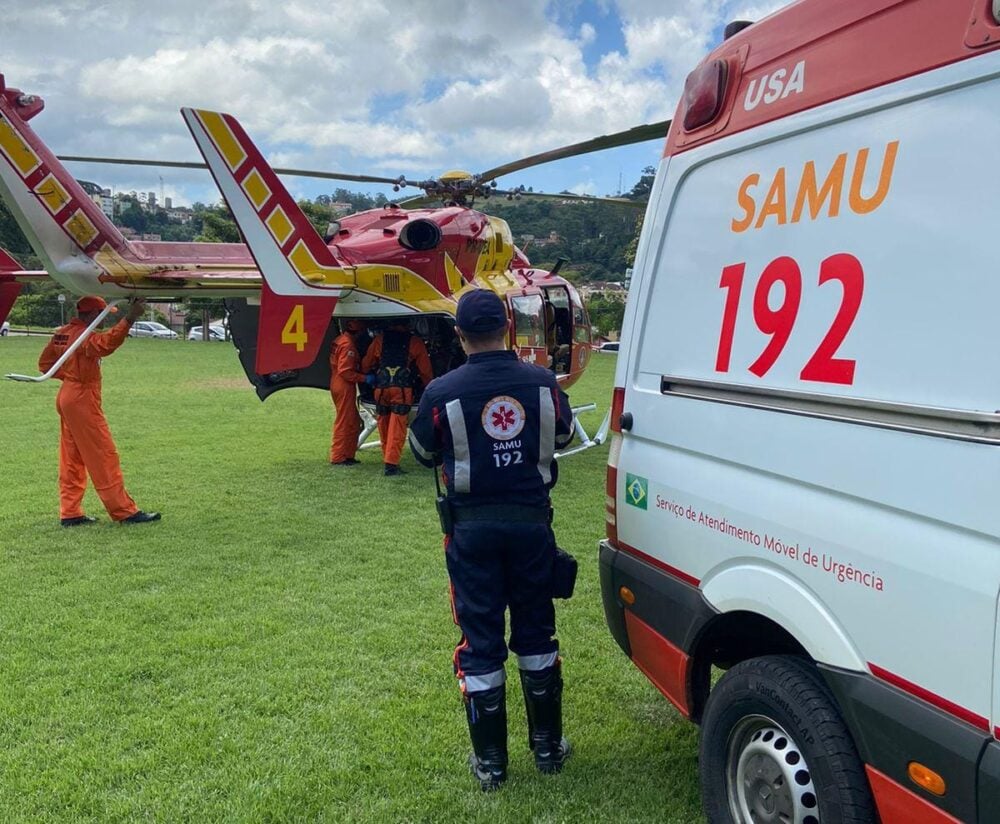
773	745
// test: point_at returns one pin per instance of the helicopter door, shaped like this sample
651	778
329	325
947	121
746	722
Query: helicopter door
558	329
582	334
529	328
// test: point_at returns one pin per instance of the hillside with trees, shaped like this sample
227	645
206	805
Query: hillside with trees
598	239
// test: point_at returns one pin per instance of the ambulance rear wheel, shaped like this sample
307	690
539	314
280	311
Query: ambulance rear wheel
774	750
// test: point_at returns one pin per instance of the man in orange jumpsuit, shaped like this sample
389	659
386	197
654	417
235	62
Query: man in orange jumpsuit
396	355
345	375
85	443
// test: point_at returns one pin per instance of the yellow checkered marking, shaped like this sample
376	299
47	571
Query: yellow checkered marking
256	189
52	194
17	151
305	264
81	229
225	141
280	226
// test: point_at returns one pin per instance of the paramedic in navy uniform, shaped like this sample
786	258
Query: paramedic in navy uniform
495	424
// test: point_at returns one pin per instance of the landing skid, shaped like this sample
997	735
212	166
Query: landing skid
585	441
370	425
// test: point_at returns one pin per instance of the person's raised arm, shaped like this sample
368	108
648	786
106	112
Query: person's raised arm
102	344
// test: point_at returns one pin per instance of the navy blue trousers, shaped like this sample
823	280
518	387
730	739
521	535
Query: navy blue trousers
495	565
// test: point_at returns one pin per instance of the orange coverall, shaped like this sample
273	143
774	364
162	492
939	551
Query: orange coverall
85	442
345	375
392	427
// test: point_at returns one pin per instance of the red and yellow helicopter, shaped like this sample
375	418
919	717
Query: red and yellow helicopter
288	287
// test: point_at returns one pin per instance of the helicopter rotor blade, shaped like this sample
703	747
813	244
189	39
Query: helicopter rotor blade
177	164
617	201
638	134
419	202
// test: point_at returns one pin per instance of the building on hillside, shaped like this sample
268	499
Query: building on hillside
340	207
90	188
547	241
611	290
107	204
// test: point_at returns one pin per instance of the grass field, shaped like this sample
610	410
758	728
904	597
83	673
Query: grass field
279	647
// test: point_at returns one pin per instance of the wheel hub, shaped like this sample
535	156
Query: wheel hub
768	780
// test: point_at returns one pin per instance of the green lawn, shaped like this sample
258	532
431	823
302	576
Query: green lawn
279	647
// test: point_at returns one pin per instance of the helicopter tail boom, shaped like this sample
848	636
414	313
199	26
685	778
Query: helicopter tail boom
65	227
9	288
303	279
292	257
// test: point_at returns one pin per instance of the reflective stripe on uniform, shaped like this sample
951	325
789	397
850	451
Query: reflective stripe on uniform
460	446
418	447
546	433
562	441
533	663
478	683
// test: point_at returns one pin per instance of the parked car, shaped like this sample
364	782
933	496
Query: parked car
215	332
608	346
4	329
151	329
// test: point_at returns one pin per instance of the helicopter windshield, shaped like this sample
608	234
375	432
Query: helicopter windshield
528	328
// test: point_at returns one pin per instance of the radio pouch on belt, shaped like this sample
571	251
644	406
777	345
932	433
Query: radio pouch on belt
443	507
563	574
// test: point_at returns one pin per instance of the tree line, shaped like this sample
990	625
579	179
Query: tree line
598	239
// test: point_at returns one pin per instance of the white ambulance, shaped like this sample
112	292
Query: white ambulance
803	491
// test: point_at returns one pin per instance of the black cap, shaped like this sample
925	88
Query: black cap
480	311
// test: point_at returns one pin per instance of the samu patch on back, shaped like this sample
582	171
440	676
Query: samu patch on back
503	418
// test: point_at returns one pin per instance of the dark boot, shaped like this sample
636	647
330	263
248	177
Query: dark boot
486	713
543	703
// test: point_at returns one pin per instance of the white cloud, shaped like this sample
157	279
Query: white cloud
586	187
376	86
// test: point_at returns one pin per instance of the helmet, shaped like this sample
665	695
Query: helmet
355	325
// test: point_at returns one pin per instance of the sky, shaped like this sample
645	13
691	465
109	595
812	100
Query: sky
381	87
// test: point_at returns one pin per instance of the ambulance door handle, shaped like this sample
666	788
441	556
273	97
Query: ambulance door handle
625	422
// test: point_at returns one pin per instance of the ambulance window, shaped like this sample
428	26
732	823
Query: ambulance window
528	327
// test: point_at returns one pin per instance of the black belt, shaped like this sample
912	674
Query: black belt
502	512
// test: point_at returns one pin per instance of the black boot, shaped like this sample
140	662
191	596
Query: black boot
543	703
486	713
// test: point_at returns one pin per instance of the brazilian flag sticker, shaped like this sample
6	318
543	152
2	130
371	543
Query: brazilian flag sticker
636	491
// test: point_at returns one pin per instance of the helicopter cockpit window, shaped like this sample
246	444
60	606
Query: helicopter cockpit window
529	330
